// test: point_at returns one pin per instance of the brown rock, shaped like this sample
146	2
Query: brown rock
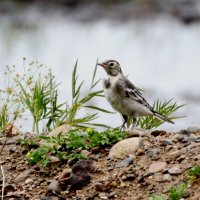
65	128
54	159
167	178
99	187
64	174
96	149
85	153
158	132
152	153
175	170
9	188
137	132
53	188
21	177
80	176
157	166
173	155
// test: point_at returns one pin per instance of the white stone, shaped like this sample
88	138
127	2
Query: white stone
125	147
28	181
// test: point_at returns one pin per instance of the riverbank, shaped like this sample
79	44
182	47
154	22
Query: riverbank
162	161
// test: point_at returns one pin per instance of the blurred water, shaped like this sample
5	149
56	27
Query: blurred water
160	54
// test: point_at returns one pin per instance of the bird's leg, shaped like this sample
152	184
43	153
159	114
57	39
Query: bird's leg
125	118
133	123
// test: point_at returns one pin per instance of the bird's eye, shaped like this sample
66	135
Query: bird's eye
111	64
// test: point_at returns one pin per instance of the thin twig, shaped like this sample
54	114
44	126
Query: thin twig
2	171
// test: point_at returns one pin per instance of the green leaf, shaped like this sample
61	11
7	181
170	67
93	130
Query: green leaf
99	109
74	79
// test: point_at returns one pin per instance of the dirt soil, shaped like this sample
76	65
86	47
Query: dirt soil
162	161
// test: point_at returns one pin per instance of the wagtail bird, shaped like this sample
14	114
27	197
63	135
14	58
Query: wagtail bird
124	96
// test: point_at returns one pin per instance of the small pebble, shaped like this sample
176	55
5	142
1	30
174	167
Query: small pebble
184	132
103	196
96	150
111	195
157	166
166	142
65	173
28	181
158	132
178	137
140	152
173	155
152	153
197	157
128	177
99	187
125	163
189	139
54	188
167	178
175	170
85	153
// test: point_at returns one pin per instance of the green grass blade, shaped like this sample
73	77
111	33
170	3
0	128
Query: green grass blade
99	109
74	79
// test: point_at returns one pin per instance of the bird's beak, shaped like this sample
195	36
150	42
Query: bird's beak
101	64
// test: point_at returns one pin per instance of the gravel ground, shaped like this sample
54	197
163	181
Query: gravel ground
160	162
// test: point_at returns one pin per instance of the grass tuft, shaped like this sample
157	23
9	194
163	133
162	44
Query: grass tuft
166	108
194	173
36	91
69	145
176	193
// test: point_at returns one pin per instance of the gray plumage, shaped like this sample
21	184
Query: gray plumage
124	96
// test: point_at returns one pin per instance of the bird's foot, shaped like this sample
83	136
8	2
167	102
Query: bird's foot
123	128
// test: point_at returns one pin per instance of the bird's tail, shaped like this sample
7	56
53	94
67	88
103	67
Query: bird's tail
164	118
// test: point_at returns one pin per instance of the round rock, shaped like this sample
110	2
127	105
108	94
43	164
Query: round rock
65	128
193	129
175	170
125	147
157	166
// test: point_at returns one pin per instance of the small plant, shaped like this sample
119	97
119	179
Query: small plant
10	108
36	91
4	118
166	108
176	193
79	103
40	155
67	146
194	173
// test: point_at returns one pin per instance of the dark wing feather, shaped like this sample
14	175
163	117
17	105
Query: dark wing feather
132	92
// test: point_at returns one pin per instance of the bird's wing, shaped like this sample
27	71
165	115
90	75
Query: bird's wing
131	91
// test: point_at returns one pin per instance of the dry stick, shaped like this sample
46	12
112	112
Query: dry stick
2	171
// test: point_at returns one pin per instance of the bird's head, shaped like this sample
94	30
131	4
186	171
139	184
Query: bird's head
112	67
